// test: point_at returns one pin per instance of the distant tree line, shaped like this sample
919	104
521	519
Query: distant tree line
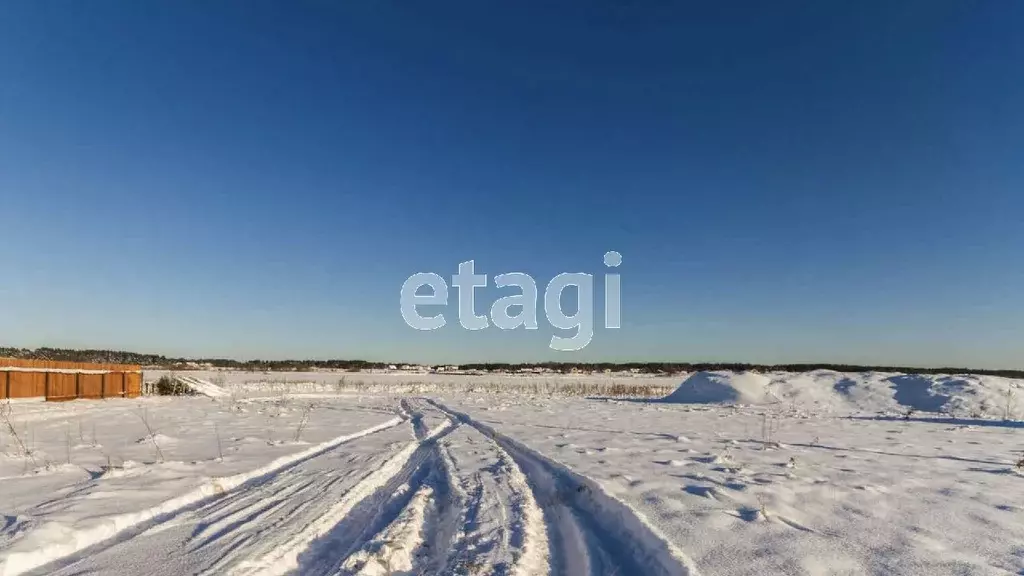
94	356
122	357
677	367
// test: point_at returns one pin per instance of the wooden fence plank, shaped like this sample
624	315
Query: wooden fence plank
133	384
66	385
90	385
113	384
62	386
27	384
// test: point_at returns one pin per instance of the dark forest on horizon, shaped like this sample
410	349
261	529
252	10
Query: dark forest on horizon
257	365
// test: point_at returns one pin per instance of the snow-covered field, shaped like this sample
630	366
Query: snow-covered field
818	473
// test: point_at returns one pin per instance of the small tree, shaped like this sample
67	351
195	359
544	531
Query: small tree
170	386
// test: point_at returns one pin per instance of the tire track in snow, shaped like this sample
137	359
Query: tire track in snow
444	516
254	528
478	516
590	531
503	530
113	530
392	553
459	498
419	427
348	525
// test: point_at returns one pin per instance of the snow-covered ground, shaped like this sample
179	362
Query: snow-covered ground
818	473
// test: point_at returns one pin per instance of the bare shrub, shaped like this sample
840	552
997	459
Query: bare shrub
303	420
5	416
220	449
144	416
168	385
1008	408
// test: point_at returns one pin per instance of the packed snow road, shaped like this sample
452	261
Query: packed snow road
438	493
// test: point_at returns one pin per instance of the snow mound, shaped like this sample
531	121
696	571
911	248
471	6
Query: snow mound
962	395
158	438
203	387
723	388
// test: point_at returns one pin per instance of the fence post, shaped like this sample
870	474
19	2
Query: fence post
103	385
46	386
7	384
78	385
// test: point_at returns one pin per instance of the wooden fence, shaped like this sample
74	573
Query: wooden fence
68	380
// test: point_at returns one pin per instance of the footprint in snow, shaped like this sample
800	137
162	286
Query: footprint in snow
702	491
673	462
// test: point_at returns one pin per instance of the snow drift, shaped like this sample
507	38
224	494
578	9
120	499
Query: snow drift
964	395
202	387
721	388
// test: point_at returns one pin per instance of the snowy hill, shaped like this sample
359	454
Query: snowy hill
722	388
961	395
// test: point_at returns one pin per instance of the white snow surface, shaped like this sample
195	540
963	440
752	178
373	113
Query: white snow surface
713	474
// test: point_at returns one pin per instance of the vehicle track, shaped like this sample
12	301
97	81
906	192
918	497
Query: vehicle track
440	494
590	531
214	532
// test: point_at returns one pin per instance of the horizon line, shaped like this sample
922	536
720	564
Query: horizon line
526	363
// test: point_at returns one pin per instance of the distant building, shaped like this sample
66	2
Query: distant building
414	368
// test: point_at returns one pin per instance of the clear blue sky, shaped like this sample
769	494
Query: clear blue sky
786	181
